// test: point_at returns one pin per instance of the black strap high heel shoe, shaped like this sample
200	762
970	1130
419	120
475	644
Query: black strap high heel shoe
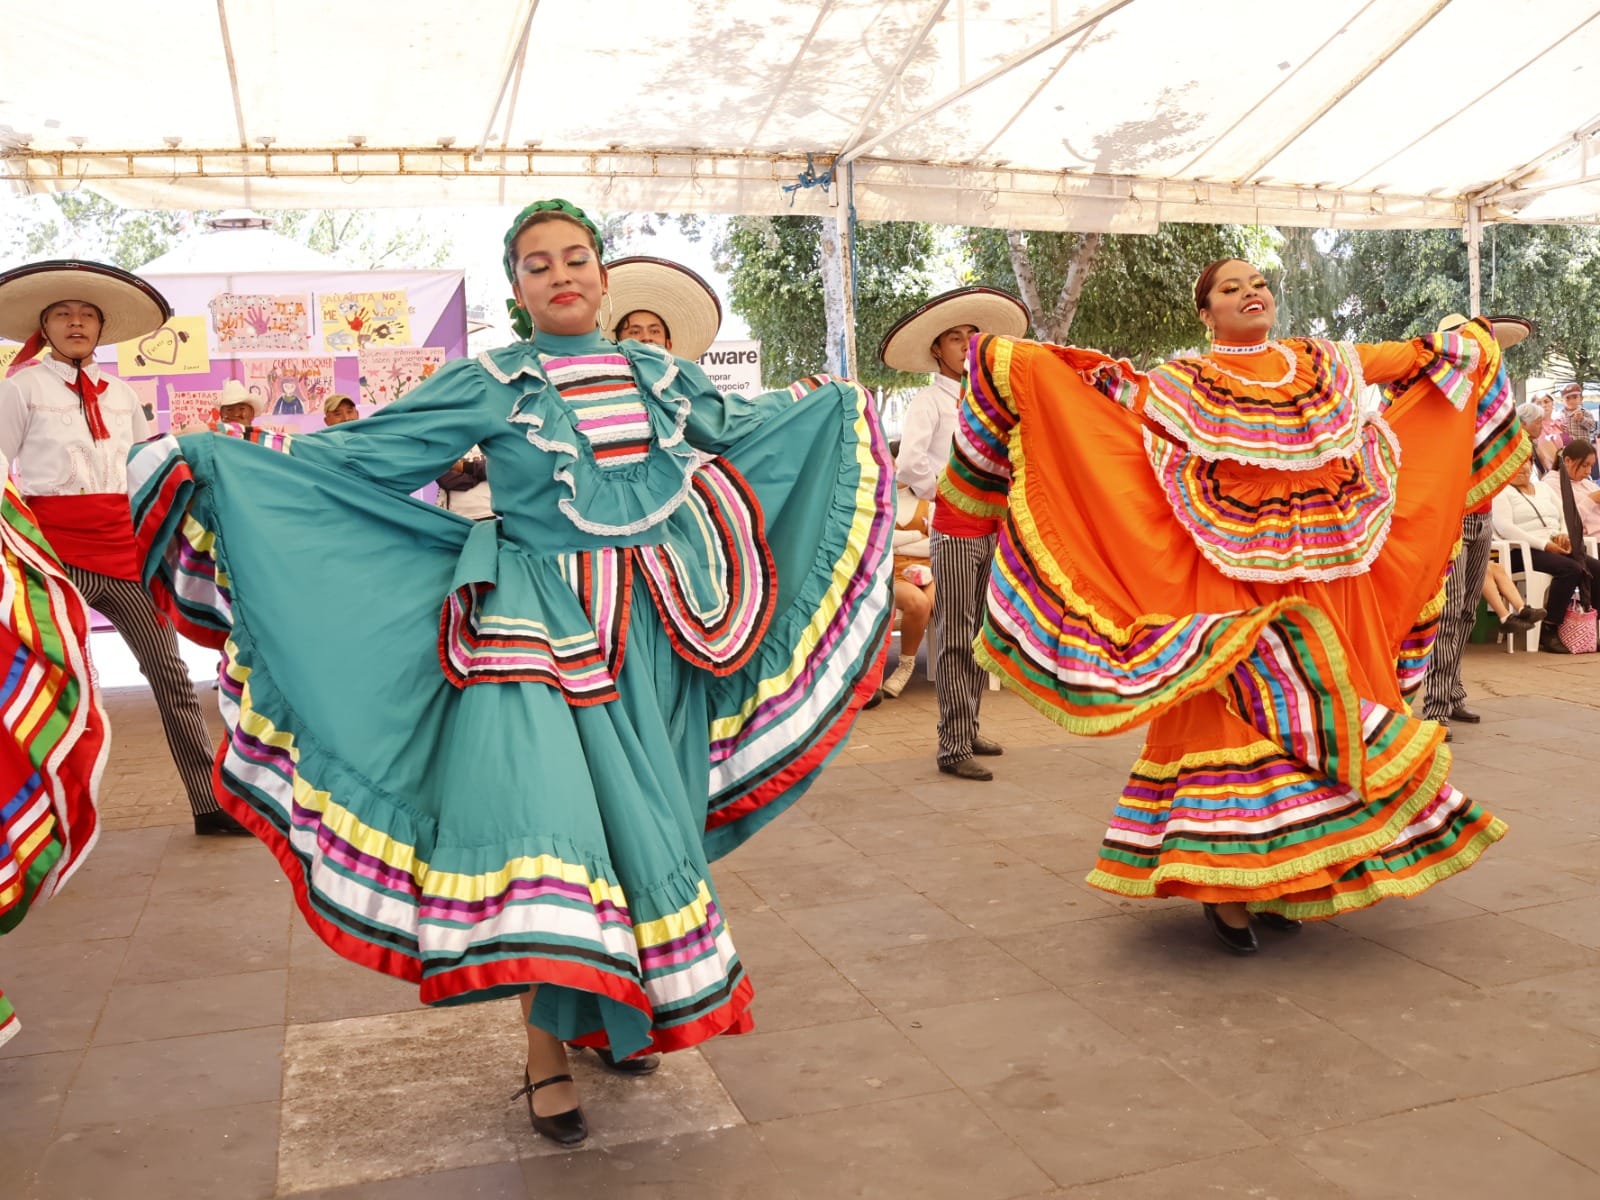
1276	921
1240	941
642	1065
564	1128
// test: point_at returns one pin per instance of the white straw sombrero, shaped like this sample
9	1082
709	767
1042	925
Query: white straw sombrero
1508	331
130	307
908	346
674	293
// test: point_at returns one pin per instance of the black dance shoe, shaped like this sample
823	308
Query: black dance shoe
987	747
1240	941
564	1128
644	1064
218	822
1276	921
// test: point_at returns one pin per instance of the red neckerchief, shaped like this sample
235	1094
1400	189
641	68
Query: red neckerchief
89	394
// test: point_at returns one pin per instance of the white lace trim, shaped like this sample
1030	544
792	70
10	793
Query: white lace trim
1278	347
1157	413
1290	574
639	526
688	457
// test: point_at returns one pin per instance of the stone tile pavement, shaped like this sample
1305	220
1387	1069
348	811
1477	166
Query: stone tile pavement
944	1009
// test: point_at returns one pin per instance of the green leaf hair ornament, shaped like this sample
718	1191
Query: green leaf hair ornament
521	322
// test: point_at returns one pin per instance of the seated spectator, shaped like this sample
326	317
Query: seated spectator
337	409
238	405
913	584
1533	417
1527	513
1577	462
1505	601
464	488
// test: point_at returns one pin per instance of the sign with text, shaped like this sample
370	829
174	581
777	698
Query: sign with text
352	321
389	372
177	348
255	321
734	366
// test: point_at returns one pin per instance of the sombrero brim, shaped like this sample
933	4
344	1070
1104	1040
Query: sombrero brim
674	293
907	347
1508	331
131	307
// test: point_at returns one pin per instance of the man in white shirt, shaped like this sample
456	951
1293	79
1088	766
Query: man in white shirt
936	337
66	428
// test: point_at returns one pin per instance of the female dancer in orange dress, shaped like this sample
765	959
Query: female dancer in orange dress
1280	606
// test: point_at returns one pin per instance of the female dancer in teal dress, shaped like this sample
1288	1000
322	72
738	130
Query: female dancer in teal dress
506	770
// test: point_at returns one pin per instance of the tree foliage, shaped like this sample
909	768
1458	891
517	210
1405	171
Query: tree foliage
1373	285
367	239
1137	297
85	224
774	283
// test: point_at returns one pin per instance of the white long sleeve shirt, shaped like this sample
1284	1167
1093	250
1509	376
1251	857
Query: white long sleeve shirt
45	437
1520	517
925	436
1584	491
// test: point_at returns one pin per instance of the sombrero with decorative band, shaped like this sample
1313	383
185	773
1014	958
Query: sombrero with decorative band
1508	331
129	307
677	295
908	346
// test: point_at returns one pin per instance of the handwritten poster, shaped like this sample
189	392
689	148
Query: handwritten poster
260	322
192	408
352	321
8	355
389	373
290	387
177	348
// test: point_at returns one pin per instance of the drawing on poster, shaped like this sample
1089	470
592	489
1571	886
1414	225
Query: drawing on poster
352	321
389	373
251	321
148	391
192	408
290	387
177	348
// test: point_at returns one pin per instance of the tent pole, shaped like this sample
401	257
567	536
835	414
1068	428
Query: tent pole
838	276
1474	239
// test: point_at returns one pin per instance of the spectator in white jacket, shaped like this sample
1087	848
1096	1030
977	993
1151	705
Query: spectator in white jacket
1524	512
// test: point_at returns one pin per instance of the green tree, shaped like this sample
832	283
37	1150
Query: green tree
366	238
1550	274
1128	295
85	224
1399	283
774	283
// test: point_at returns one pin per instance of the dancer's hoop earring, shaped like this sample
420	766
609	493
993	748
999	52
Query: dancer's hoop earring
604	315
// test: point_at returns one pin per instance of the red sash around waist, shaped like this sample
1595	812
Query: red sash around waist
93	531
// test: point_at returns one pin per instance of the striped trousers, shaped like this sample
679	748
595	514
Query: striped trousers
155	646
1442	689
960	581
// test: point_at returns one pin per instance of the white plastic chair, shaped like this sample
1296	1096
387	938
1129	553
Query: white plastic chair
1534	585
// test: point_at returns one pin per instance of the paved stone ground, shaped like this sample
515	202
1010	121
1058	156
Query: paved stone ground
944	1009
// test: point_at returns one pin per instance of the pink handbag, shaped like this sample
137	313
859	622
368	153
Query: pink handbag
1578	629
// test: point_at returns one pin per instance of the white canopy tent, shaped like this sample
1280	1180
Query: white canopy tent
1036	114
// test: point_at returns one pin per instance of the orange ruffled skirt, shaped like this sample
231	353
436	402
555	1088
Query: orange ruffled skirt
1282	766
